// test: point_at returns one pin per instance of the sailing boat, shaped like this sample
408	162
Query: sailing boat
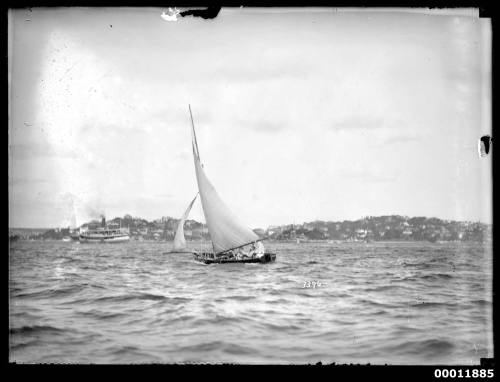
227	233
179	239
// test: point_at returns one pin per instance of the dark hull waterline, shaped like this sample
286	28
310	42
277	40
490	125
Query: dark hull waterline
205	258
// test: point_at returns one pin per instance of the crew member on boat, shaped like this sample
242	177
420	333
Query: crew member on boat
258	249
241	254
254	250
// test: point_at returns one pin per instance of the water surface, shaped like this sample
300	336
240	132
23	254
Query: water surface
394	303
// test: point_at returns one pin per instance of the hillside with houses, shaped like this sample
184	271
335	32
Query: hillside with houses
384	228
381	228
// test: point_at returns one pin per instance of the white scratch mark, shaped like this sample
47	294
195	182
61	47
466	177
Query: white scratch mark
171	15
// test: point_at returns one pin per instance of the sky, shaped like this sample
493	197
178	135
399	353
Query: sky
301	114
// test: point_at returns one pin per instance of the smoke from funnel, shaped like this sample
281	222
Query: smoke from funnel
94	213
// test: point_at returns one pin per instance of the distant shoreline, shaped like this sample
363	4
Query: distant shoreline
332	242
391	228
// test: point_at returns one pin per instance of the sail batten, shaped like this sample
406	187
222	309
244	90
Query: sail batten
225	229
179	239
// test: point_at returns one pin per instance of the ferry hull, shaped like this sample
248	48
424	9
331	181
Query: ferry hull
205	258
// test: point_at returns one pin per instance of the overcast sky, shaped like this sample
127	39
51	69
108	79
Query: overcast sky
300	114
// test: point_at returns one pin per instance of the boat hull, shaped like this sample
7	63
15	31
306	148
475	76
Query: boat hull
114	239
205	258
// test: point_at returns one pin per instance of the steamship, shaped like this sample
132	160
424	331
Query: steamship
104	234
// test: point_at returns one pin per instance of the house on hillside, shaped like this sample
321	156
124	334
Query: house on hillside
407	232
361	233
308	226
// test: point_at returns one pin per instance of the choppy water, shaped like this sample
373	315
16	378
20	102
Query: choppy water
394	303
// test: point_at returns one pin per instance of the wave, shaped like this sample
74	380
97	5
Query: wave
183	318
69	260
427	348
404	329
138	355
142	297
424	304
236	349
282	327
22	345
239	298
437	276
36	329
52	293
101	315
481	302
403	279
25	315
220	319
379	312
280	300
378	304
225	347
203	346
417	265
380	288
124	350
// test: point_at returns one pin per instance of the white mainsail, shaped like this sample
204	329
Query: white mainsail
179	239
226	231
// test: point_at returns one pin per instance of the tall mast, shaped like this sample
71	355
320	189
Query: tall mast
194	133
